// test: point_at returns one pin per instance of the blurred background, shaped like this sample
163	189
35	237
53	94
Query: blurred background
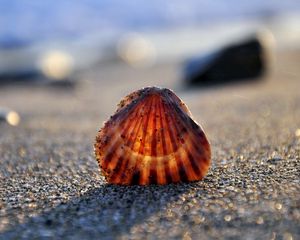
123	45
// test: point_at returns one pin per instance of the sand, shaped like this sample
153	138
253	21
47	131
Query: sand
51	187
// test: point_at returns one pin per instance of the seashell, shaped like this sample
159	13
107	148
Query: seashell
9	116
152	139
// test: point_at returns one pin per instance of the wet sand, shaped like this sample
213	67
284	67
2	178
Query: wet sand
50	184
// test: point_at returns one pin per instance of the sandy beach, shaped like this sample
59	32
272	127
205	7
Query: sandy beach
51	187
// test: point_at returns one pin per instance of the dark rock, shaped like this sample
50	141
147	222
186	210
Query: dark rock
245	60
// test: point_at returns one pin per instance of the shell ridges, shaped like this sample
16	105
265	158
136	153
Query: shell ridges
152	139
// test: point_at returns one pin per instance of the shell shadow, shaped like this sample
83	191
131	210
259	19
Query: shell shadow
108	211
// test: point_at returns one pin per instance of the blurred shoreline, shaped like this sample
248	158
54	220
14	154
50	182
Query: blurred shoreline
155	47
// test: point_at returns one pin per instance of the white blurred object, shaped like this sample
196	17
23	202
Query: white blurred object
136	50
9	116
56	64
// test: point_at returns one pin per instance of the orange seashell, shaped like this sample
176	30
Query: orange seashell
152	139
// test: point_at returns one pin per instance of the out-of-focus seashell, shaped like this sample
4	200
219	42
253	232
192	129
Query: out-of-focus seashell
136	50
9	116
152	139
